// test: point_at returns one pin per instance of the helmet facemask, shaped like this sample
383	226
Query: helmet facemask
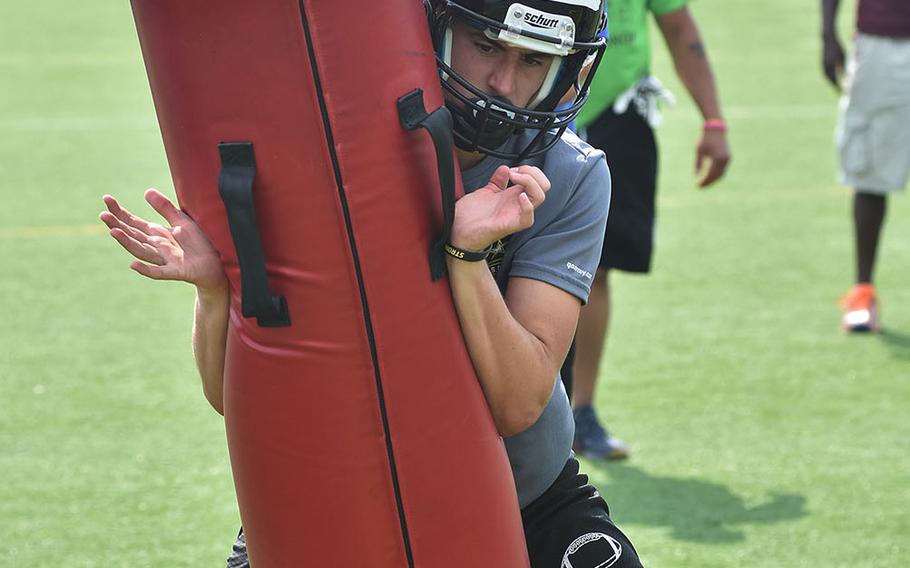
483	122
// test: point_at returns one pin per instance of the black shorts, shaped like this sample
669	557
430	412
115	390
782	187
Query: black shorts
568	526
628	142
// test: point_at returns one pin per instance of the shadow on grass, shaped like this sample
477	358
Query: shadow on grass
898	343
694	510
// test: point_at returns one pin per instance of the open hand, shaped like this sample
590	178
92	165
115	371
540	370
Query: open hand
498	209
179	252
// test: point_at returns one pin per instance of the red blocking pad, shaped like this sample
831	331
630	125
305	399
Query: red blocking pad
358	433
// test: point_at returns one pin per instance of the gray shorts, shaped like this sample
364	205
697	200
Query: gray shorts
873	132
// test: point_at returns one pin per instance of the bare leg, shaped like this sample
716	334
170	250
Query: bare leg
591	438
861	305
592	332
868	217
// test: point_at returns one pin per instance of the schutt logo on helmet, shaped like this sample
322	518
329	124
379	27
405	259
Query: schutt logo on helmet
541	21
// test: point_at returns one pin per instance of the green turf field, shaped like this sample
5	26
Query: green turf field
761	435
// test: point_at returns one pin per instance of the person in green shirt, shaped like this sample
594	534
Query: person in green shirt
619	118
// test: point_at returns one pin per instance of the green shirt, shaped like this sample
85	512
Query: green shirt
628	55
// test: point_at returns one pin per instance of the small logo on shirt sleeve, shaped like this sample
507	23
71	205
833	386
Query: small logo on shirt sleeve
581	271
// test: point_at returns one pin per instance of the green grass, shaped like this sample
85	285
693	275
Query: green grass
761	435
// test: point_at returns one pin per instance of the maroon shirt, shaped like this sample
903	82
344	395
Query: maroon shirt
888	18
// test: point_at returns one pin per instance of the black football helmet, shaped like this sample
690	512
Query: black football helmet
571	30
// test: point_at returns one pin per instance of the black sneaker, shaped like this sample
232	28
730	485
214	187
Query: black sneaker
593	441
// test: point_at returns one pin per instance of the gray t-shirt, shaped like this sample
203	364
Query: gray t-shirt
562	248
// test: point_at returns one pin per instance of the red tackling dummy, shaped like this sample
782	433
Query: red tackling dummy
358	433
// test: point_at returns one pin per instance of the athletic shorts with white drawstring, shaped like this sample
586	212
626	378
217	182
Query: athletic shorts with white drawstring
628	141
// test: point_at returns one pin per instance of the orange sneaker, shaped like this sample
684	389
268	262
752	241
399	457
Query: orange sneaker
861	307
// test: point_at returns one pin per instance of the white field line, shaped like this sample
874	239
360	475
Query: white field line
52	231
76	123
682	198
782	111
68	59
765	112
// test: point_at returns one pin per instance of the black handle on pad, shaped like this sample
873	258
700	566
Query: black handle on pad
235	185
413	115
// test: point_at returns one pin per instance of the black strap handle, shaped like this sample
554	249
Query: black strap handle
235	185
413	115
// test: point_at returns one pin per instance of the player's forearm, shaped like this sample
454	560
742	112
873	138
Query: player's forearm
829	17
210	326
691	60
514	367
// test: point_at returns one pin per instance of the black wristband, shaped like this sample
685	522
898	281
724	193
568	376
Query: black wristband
467	255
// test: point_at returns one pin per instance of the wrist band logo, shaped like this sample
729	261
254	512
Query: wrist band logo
454	251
